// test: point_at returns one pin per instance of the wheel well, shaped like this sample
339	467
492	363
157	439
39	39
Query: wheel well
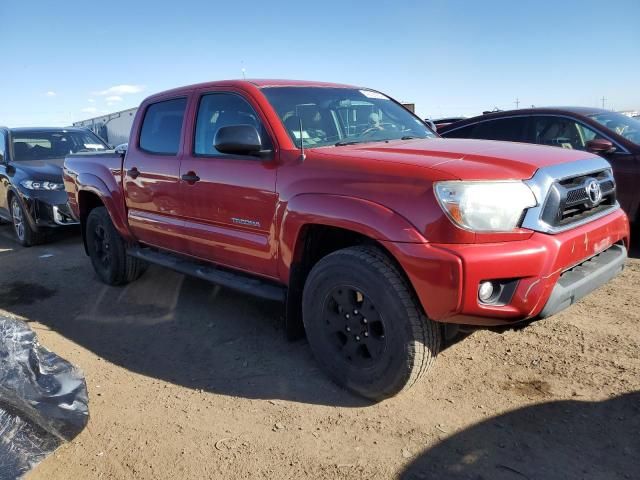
87	201
10	195
313	243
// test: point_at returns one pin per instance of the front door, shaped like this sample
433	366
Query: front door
626	171
151	176
229	201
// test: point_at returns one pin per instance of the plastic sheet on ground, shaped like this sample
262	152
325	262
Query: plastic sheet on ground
43	400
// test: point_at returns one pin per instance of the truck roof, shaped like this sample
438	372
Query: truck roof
259	83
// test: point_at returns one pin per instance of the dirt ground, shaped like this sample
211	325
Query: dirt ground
187	380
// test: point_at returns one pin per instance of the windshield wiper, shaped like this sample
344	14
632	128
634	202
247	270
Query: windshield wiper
351	142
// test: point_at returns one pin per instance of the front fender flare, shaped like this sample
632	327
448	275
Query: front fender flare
350	213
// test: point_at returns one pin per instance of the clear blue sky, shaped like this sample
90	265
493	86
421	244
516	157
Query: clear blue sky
65	61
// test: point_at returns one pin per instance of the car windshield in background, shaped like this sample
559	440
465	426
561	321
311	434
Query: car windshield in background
624	126
43	145
322	116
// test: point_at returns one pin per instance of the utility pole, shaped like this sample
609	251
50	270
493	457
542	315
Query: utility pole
517	102
603	99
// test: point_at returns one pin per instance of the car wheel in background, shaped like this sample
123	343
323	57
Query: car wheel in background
21	227
364	324
107	250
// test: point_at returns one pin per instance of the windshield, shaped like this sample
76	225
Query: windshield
43	145
341	116
624	126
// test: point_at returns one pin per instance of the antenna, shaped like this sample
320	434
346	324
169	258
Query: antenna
302	155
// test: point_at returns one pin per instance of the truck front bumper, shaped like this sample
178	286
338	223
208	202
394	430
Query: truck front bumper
584	278
546	273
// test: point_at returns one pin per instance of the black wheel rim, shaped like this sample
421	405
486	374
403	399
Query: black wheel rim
354	327
102	245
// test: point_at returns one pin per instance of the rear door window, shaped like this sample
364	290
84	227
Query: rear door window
162	126
464	132
505	129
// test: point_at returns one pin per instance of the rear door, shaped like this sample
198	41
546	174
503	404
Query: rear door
4	180
229	210
151	175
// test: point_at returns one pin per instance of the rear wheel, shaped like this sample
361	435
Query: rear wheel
26	235
107	250
364	324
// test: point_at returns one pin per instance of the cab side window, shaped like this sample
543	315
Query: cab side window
562	132
219	110
161	127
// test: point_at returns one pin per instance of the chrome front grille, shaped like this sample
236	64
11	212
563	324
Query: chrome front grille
571	194
580	195
569	199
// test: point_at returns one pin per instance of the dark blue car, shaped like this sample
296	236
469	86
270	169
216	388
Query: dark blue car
32	194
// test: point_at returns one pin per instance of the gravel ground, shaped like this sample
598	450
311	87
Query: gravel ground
187	380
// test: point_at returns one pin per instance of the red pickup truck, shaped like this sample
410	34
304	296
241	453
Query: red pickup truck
379	237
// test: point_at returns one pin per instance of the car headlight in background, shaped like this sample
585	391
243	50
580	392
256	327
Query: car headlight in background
41	185
485	206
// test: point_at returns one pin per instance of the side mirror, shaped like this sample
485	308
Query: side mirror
239	140
431	125
600	146
122	148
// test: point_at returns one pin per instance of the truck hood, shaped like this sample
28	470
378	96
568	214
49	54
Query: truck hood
462	158
49	169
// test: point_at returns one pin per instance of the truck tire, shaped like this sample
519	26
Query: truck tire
26	235
364	324
108	251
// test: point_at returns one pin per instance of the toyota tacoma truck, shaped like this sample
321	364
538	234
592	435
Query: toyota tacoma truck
379	237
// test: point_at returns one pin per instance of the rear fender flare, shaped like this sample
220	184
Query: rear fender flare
111	198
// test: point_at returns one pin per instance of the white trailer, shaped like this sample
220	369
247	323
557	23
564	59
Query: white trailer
113	128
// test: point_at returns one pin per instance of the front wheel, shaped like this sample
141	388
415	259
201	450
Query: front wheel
107	250
364	324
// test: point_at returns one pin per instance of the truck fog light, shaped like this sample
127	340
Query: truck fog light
485	292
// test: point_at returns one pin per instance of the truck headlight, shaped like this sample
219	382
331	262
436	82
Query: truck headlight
485	206
38	185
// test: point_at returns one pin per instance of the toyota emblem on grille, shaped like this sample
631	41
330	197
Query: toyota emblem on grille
594	191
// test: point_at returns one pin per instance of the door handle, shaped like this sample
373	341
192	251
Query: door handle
133	172
190	178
